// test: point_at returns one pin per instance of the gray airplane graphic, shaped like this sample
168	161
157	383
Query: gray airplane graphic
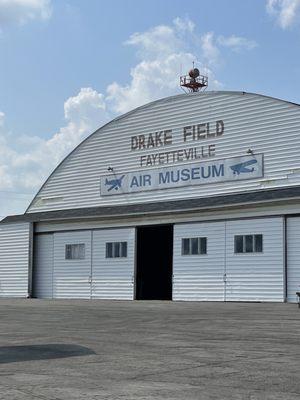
114	183
242	167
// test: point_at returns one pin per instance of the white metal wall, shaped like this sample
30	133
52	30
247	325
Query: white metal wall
199	277
249	277
293	258
14	259
72	278
43	266
93	277
256	276
264	124
113	278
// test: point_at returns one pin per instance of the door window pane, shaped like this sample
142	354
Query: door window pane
195	245
185	247
109	250
238	244
81	251
68	252
117	249
75	251
203	245
258	239
249	244
123	249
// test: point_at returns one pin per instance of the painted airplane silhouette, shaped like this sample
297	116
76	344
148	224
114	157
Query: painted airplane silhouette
242	167
114	183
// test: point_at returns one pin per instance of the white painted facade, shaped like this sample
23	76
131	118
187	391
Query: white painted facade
14	259
246	143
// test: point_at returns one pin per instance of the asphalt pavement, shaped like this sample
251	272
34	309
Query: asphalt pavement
144	350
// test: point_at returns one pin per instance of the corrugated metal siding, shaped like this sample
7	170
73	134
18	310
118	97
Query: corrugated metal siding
113	278
95	276
293	258
266	125
72	278
257	276
249	277
43	266
199	277
14	259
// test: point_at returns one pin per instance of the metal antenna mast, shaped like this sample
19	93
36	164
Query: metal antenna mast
193	82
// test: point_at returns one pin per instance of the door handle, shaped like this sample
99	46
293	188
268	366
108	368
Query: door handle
224	278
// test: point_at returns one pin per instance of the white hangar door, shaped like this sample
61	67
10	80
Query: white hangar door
72	265
199	261
113	264
255	260
293	258
43	266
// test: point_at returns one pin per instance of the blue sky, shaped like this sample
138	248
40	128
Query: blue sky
69	66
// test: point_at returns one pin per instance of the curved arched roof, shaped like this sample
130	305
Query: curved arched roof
148	106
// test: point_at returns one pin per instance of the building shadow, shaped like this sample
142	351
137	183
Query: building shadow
10	354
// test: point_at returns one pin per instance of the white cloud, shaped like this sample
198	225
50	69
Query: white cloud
26	161
150	80
211	46
184	24
22	11
285	11
236	43
210	50
165	53
159	41
2	116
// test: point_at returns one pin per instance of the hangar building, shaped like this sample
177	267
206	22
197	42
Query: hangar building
191	197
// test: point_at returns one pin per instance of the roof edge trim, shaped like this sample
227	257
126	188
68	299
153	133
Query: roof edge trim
175	206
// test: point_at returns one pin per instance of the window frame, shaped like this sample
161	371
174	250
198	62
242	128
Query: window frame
70	256
200	239
120	248
254	244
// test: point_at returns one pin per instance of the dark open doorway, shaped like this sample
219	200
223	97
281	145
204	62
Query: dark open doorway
154	262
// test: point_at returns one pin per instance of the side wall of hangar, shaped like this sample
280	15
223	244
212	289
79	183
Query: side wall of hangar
204	187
